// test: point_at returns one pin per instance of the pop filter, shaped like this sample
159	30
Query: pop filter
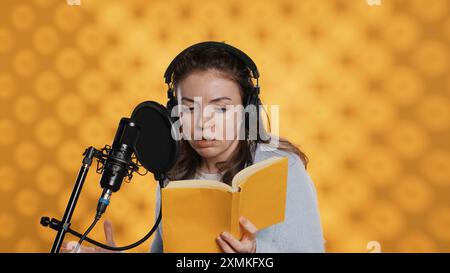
157	147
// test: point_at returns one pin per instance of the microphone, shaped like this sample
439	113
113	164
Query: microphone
118	164
149	139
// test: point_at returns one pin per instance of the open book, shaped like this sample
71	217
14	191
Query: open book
195	212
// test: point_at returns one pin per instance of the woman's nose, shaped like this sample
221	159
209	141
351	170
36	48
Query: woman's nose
205	120
206	126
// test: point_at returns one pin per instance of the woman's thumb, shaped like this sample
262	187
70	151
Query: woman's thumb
107	225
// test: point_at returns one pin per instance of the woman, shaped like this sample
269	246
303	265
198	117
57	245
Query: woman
213	77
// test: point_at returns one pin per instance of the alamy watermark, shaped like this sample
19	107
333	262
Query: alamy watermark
373	2
225	122
374	247
73	2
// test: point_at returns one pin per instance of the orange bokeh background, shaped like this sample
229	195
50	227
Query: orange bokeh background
363	90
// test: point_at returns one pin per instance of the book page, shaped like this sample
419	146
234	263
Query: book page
241	176
193	218
263	195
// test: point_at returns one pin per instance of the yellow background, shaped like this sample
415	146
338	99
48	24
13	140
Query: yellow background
364	91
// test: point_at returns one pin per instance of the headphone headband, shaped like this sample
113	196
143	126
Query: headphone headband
209	44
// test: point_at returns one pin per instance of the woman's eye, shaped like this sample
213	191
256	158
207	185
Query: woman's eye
221	109
187	108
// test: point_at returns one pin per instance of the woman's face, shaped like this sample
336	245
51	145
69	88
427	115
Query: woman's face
211	112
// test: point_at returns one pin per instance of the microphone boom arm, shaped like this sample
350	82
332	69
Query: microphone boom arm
63	226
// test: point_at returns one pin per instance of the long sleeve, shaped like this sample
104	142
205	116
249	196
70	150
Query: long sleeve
301	230
157	246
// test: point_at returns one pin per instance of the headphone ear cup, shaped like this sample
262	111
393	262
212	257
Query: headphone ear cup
247	115
171	103
251	116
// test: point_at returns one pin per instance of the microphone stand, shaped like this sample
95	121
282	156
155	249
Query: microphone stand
64	225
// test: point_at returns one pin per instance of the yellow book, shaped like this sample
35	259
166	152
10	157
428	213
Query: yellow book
195	212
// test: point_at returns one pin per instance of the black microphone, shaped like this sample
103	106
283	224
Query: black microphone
149	139
118	162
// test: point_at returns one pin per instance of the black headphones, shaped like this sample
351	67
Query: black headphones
252	96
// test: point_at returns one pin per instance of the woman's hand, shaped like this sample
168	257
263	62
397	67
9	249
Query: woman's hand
107	226
247	244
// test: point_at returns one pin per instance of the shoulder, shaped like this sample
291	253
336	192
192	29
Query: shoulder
267	150
298	177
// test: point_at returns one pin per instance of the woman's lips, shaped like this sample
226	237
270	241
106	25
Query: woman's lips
204	143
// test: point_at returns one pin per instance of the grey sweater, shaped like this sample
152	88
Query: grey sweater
301	230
